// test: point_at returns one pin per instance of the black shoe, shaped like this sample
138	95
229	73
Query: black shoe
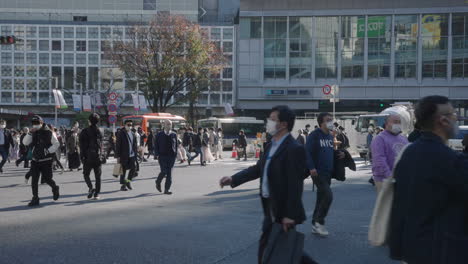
189	161
56	193
167	192
91	193
34	202
129	185
16	163
158	186
123	188
371	181
1	170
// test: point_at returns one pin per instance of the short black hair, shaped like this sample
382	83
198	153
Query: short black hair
94	118
427	108
308	125
321	117
285	114
128	121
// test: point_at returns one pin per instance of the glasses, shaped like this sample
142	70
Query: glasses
450	114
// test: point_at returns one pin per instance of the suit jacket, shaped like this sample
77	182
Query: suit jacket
8	140
122	146
285	177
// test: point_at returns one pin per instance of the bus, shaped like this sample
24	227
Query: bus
153	121
232	125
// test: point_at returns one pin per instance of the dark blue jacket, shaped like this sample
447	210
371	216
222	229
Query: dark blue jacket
429	222
165	145
320	152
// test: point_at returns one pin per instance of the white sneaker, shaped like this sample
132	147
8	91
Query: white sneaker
319	229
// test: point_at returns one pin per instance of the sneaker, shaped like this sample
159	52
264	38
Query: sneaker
123	188
168	192
91	193
17	163
129	185
319	229
189	161
96	196
34	202
56	193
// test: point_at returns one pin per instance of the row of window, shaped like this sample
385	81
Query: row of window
103	32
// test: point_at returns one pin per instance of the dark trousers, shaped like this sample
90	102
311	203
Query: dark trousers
111	148
198	151
129	166
4	154
242	153
57	162
24	157
44	168
266	230
324	198
166	163
87	167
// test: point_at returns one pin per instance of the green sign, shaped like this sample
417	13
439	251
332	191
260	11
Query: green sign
375	26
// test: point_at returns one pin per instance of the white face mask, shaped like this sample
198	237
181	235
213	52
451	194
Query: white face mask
37	126
396	129
330	125
128	128
271	127
2	126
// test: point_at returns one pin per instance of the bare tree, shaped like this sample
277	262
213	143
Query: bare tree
167	57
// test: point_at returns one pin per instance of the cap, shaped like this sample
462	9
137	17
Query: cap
37	119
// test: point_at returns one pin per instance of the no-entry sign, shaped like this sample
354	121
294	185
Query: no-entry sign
326	89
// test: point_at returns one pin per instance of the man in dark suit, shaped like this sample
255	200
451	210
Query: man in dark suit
126	150
5	142
281	172
165	149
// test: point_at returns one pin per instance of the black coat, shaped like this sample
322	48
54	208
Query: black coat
90	144
150	141
285	176
8	140
122	146
429	221
197	140
242	141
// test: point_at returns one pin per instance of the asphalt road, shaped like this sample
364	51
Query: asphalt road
199	223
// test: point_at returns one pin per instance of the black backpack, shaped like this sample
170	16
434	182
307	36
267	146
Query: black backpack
94	146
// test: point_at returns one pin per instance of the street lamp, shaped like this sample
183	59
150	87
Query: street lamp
55	98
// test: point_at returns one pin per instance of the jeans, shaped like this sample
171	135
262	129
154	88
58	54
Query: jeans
187	152
87	167
4	153
44	168
324	198
166	163
198	151
130	165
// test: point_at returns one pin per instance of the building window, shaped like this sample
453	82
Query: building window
19	84
80	32
57	74
352	43
19	97
68	77
43	71
44	32
149	4
326	50
93	45
19	71
250	27
227	98
434	32
56	45
80	18
68	32
227	46
43	98
216	33
105	32
6	97
43	45
275	29
300	47
31	71
68	45
379	33
19	58
80	58
80	45
44	58
7	84
227	86
56	58
68	58
93	58
43	85
57	32
7	71
227	73
406	43
31	98
31	85
460	45
6	57
93	78
227	33
31	32
31	45
31	58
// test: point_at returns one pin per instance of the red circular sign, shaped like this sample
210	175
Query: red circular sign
113	96
112	119
112	108
326	89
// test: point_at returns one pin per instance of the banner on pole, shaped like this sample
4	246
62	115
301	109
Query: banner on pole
58	99
76	102
228	109
142	102
136	105
87	103
98	100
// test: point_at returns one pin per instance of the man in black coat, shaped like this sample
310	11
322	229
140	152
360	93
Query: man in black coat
429	219
126	151
165	149
242	144
197	147
281	172
6	141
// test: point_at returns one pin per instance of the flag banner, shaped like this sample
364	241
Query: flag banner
56	99
61	100
76	102
87	103
228	109
142	102
98	100
136	105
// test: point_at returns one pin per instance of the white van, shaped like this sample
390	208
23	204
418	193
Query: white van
456	143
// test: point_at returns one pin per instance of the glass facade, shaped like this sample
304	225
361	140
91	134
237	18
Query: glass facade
300	47
74	55
275	35
379	37
460	45
326	32
434	35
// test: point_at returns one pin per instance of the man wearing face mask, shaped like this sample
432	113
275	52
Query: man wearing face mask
320	162
6	141
43	144
281	173
165	148
429	220
126	149
385	148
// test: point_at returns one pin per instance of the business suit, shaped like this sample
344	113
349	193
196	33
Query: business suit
285	175
5	147
122	151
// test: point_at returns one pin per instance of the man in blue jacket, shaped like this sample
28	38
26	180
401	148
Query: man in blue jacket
429	220
320	157
165	149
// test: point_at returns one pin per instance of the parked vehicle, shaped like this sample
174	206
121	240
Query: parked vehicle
456	142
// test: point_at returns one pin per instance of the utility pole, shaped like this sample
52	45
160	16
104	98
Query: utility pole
55	103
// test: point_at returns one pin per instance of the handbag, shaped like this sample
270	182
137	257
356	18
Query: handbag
283	247
117	171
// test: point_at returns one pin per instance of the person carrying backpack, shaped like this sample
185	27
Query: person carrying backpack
90	146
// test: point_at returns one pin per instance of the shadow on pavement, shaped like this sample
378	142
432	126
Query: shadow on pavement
107	200
229	192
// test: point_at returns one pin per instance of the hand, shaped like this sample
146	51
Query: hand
118	160
314	173
225	181
341	155
287	224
